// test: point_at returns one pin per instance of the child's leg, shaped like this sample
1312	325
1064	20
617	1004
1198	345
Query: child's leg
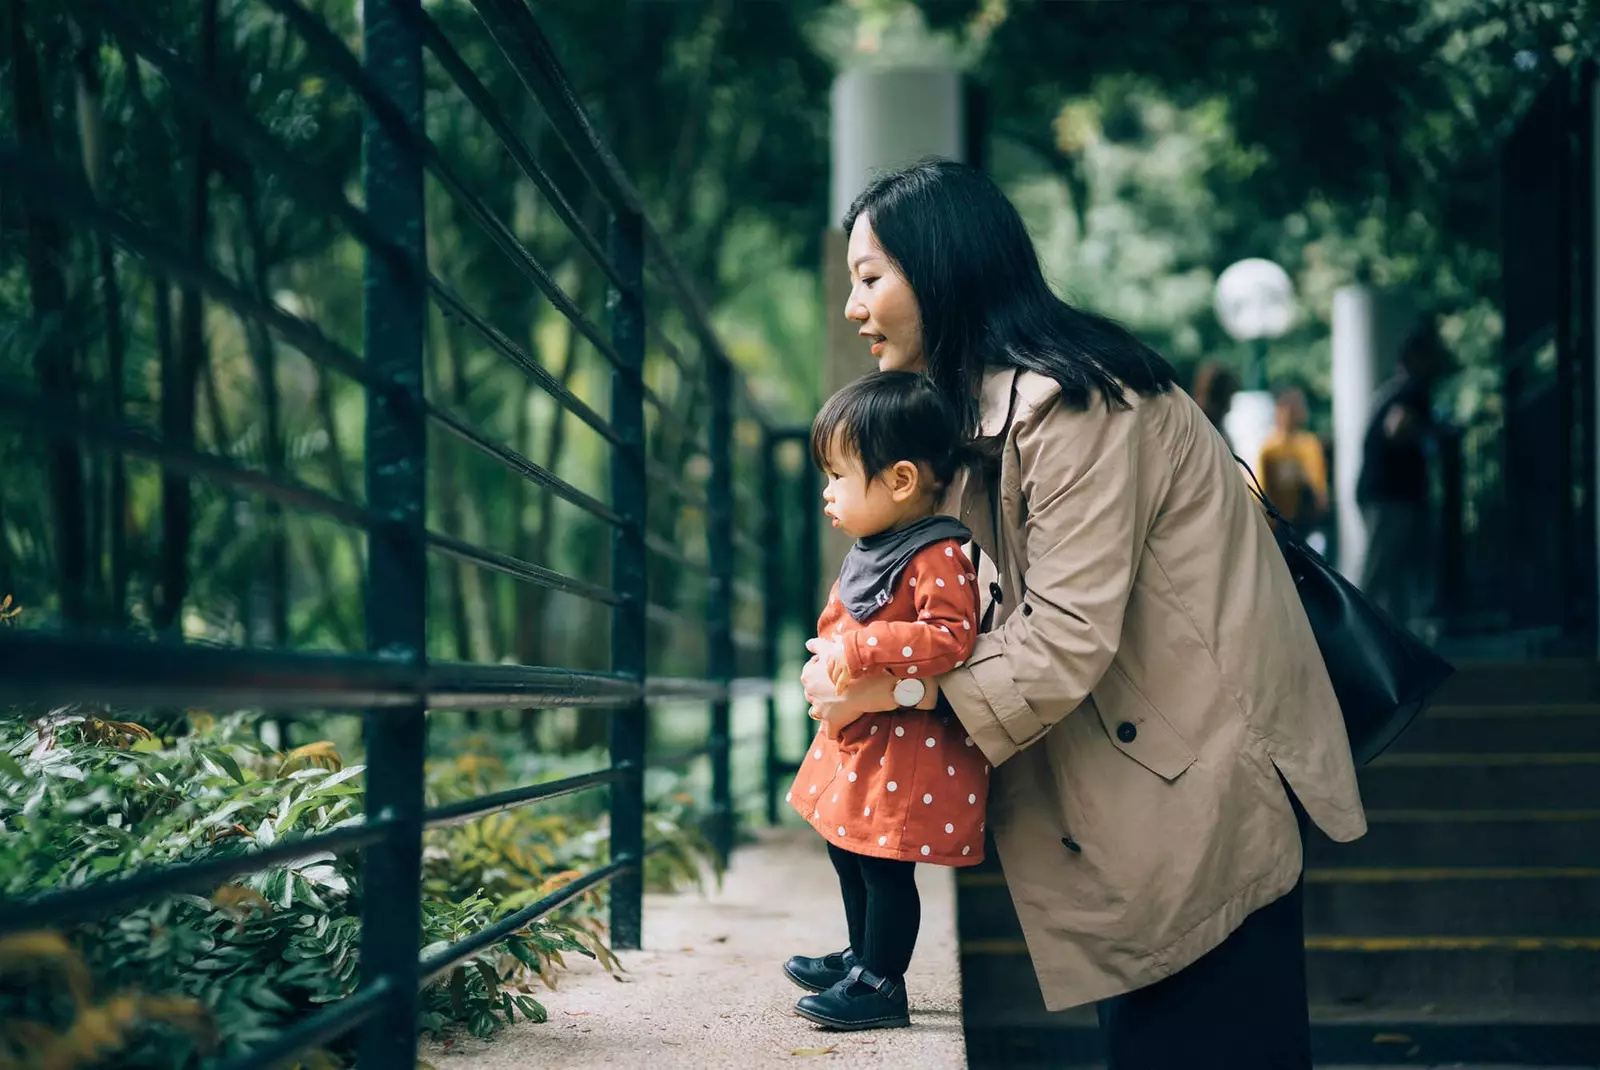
854	892
894	914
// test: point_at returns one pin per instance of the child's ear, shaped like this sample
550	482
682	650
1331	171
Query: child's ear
905	481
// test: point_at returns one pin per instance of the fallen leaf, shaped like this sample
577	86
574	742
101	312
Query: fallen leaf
1391	1038
577	1014
813	1051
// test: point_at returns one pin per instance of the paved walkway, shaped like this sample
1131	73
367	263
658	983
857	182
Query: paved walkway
707	990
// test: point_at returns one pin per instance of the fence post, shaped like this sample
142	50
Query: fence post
628	578
719	508
396	594
772	603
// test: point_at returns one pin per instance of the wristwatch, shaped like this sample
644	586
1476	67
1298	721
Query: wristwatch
909	692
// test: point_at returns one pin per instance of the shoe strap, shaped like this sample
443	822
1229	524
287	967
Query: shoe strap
862	975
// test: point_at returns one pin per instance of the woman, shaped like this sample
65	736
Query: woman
1147	686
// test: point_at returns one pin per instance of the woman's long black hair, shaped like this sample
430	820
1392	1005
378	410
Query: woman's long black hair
984	302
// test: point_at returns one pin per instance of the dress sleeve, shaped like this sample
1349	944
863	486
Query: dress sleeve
941	637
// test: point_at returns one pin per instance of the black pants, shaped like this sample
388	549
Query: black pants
881	908
1241	1006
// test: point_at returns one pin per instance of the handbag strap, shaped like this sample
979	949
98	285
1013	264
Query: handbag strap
1260	495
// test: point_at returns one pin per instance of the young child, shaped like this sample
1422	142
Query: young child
897	788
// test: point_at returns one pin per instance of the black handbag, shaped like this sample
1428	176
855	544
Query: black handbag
1383	676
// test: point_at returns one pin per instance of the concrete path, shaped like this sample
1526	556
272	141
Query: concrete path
707	990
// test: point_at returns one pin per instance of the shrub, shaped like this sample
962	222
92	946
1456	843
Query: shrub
83	798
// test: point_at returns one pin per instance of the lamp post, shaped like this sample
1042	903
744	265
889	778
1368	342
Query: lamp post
1255	303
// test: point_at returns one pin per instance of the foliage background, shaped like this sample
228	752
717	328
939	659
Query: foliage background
1148	146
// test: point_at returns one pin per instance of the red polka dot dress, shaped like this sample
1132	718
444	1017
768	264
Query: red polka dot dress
909	784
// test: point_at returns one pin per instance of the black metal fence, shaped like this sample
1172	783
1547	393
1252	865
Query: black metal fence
395	682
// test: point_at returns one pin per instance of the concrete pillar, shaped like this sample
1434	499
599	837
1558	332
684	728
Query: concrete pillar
1368	328
882	119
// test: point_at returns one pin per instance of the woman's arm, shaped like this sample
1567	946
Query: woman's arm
1085	529
870	694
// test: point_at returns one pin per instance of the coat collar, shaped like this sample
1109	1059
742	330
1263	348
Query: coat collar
996	398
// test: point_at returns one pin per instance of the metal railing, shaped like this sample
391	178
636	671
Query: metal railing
395	682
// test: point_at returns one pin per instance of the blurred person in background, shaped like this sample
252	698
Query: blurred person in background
1392	489
1292	465
1212	389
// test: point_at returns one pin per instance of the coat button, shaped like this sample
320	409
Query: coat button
1027	609
995	592
1071	844
1126	731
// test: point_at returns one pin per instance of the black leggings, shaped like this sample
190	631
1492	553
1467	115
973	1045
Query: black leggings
882	909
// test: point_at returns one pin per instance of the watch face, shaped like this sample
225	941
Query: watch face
909	692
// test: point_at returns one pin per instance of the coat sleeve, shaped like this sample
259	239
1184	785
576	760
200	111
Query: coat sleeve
1078	472
942	635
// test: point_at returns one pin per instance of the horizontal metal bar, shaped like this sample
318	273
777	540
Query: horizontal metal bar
747	544
327	46
436	965
228	120
481	99
58	421
664	478
306	184
679	759
469	809
66	197
662	548
522	570
673	688
104	896
42	667
455	685
751	687
517	32
519	464
667	617
327	1024
452	305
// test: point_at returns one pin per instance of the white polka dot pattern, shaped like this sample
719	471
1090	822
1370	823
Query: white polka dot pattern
915	633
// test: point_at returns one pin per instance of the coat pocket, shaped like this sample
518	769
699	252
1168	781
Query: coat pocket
1138	729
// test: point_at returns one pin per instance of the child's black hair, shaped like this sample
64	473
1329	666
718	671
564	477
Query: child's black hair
886	417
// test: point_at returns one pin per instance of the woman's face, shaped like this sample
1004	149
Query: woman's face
881	303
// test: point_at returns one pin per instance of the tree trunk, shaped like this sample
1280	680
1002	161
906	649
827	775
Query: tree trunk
45	250
265	354
179	383
91	141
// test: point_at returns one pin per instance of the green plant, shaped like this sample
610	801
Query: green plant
85	797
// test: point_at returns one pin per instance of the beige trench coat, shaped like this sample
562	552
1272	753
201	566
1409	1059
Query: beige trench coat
1147	673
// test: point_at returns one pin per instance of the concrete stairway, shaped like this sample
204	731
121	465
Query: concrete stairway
1465	927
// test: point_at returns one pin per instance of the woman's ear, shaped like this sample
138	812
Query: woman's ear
905	481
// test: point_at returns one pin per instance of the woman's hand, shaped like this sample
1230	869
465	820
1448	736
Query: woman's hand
869	694
836	710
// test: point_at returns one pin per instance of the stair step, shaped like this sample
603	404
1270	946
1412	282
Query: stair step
1520	728
1466	837
1409	780
1007	1026
1398	1042
1488	901
1511	683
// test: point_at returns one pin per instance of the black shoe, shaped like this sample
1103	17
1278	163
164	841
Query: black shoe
861	1001
819	975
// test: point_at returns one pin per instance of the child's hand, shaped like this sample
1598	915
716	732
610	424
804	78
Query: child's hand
838	671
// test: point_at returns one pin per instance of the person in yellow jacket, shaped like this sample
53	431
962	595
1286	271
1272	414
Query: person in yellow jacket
1293	470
